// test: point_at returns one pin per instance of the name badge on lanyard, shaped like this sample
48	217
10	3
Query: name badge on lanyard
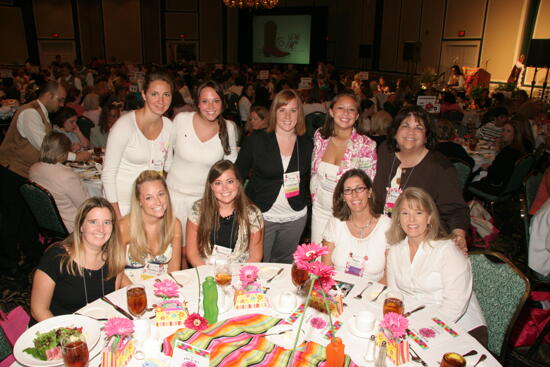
291	182
392	193
154	270
355	265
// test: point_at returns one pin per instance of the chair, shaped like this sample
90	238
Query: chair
12	325
463	171
501	289
521	169
530	187
44	210
314	120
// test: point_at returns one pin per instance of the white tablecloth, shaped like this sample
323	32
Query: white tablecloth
354	346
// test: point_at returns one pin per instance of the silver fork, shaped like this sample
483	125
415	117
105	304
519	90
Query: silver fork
416	358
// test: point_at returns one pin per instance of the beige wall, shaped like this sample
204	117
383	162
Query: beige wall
430	34
12	33
542	30
53	16
122	29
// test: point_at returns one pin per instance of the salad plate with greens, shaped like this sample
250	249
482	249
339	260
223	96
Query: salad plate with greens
40	344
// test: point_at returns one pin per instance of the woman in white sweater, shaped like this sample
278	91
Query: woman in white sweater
200	139
139	141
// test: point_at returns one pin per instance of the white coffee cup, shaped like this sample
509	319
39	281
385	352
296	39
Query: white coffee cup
142	330
287	301
364	321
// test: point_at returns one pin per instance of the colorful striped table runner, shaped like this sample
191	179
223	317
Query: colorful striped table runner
239	342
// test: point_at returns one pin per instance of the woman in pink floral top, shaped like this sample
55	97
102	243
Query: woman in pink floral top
338	147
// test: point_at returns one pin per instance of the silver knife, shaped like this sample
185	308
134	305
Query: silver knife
275	276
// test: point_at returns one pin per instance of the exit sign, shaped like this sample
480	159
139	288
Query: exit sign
461	33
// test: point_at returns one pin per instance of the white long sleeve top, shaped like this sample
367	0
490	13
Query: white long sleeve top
193	157
129	153
539	240
440	277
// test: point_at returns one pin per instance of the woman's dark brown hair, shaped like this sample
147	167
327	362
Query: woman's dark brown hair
340	209
420	114
327	130
224	138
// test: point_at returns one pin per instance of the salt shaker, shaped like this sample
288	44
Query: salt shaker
371	348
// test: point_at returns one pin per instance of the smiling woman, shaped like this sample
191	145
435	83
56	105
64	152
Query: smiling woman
224	224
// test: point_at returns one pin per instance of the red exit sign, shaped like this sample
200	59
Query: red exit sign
461	33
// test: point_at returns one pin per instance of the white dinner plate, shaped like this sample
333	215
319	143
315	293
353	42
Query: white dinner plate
82	165
90	328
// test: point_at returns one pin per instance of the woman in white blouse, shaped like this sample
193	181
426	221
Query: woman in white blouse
140	140
424	264
200	139
355	235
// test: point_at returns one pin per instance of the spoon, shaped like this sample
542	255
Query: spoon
481	359
360	295
473	352
382	291
407	314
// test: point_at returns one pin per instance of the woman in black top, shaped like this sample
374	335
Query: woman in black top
278	162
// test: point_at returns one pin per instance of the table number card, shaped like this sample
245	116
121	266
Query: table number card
189	356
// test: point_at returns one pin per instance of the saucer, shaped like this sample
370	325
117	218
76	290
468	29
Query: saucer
358	333
276	305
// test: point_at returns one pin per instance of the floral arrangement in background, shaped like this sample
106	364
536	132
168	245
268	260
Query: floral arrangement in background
166	289
395	325
118	326
196	322
248	275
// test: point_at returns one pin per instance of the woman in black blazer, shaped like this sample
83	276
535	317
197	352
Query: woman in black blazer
277	162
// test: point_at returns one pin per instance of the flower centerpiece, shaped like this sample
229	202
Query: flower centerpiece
319	276
393	330
169	312
250	294
120	345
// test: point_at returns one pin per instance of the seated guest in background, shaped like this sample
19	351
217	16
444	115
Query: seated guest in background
408	158
355	235
449	103
224	224
484	101
542	192
380	123
151	234
424	264
257	120
446	145
92	110
539	240
314	102
527	136
65	122
368	109
73	100
85	266
61	181
109	115
456	79
500	171
245	102
492	130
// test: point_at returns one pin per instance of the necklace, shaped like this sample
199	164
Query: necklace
90	275
361	229
339	145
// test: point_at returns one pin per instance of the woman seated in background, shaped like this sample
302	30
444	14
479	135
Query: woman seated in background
92	109
379	126
151	234
64	121
257	120
85	266
408	158
445	134
424	264
338	146
355	236
109	115
500	171
456	79
224	224
245	102
61	181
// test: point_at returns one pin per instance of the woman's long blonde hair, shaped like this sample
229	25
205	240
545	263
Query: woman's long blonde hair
112	253
210	210
415	197
139	245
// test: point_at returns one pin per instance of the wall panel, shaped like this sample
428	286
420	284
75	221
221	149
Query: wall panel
12	33
389	47
90	20
211	32
53	16
431	31
465	15
122	27
408	31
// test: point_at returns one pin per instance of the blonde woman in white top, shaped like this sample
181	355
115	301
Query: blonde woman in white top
139	140
426	266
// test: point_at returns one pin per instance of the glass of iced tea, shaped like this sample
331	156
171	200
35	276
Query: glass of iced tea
75	351
223	273
393	303
137	299
452	360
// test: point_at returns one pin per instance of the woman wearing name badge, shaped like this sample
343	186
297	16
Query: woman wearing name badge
200	139
140	140
408	158
85	266
279	160
151	233
338	147
424	263
224	224
356	235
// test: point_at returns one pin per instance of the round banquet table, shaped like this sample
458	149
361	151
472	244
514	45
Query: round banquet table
354	345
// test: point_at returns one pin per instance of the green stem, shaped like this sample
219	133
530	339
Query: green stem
198	280
328	312
312	278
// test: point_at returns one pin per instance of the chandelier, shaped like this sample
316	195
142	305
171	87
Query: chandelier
268	4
